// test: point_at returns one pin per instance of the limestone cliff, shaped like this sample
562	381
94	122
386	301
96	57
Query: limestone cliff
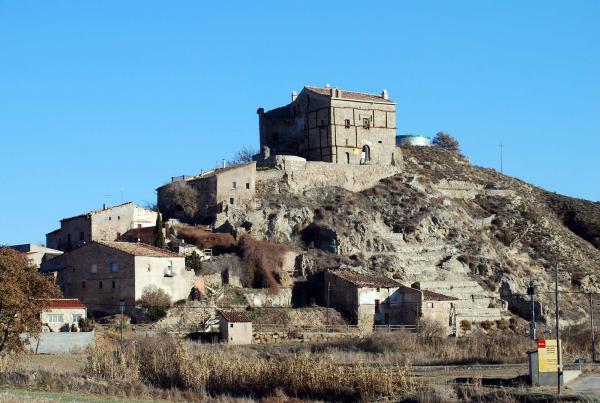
462	230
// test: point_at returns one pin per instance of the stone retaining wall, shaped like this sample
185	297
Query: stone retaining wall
300	337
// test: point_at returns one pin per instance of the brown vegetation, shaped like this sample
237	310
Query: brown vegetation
22	292
203	239
263	262
165	363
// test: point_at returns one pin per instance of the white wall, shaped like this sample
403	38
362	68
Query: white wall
151	271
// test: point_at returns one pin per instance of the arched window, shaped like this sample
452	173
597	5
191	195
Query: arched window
366	154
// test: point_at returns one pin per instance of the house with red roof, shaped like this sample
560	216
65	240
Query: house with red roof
235	327
60	312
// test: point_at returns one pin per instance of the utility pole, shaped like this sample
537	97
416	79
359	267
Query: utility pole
531	292
558	344
327	320
592	328
501	158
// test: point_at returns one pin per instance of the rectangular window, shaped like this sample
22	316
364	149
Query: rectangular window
430	305
234	185
231	325
169	269
231	200
114	284
347	123
366	123
83	284
81	236
247	185
77	318
114	267
99	284
94	269
55	318
376	306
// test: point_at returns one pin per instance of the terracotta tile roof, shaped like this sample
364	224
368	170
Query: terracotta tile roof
366	280
434	296
235	316
138	249
359	96
72	303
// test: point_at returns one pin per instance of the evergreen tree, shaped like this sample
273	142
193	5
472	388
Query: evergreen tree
159	236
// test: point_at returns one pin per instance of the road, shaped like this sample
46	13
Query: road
587	385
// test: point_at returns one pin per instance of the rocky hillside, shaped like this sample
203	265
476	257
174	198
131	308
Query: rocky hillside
462	230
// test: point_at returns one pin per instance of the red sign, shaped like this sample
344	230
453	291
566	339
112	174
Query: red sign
541	343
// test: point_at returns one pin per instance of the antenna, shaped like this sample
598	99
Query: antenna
502	158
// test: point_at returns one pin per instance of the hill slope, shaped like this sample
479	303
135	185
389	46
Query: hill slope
456	228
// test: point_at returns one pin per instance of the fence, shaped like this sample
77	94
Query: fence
271	327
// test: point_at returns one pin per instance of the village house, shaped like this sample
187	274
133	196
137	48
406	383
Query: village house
62	312
215	191
414	305
37	254
332	125
366	299
102	273
235	327
107	224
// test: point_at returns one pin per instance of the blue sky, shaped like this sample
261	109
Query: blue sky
96	96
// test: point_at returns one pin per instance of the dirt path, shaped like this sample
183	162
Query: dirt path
586	385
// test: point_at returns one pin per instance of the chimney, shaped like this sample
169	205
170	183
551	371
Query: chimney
103	206
384	94
294	95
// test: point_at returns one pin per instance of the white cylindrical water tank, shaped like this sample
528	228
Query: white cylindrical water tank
412	140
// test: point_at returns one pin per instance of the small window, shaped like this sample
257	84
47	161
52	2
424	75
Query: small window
83	284
366	123
234	185
148	266
81	236
109	218
77	318
55	318
114	267
231	200
430	305
247	185
231	325
169	269
322	123
378	289
376	306
94	269
347	123
99	284
118	217
114	284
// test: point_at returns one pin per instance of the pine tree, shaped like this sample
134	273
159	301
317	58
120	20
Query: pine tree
159	236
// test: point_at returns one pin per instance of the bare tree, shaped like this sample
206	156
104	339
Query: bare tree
179	196
446	141
244	155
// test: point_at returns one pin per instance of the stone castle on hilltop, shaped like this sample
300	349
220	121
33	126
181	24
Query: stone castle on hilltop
332	125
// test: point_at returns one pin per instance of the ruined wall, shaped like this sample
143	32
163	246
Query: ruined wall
301	175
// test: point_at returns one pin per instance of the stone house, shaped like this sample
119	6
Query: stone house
59	312
37	254
107	224
216	190
332	125
235	327
101	273
366	299
413	305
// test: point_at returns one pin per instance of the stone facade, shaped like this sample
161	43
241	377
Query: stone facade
107	224
414	305
216	190
102	273
60	312
332	125
235	327
364	298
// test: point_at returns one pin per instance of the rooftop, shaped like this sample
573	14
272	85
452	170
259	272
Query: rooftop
434	296
138	249
98	211
366	280
207	174
235	316
65	303
358	96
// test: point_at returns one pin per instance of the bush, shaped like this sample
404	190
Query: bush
431	333
487	325
465	325
154	303
446	141
65	328
194	262
86	325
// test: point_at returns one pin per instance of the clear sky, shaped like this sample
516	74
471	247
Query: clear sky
96	96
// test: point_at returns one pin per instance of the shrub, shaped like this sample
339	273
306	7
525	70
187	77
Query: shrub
218	242
179	196
86	325
486	324
431	333
65	328
263	262
446	141
194	262
465	325
154	303
502	324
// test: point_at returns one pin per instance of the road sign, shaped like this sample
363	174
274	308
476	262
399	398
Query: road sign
547	358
